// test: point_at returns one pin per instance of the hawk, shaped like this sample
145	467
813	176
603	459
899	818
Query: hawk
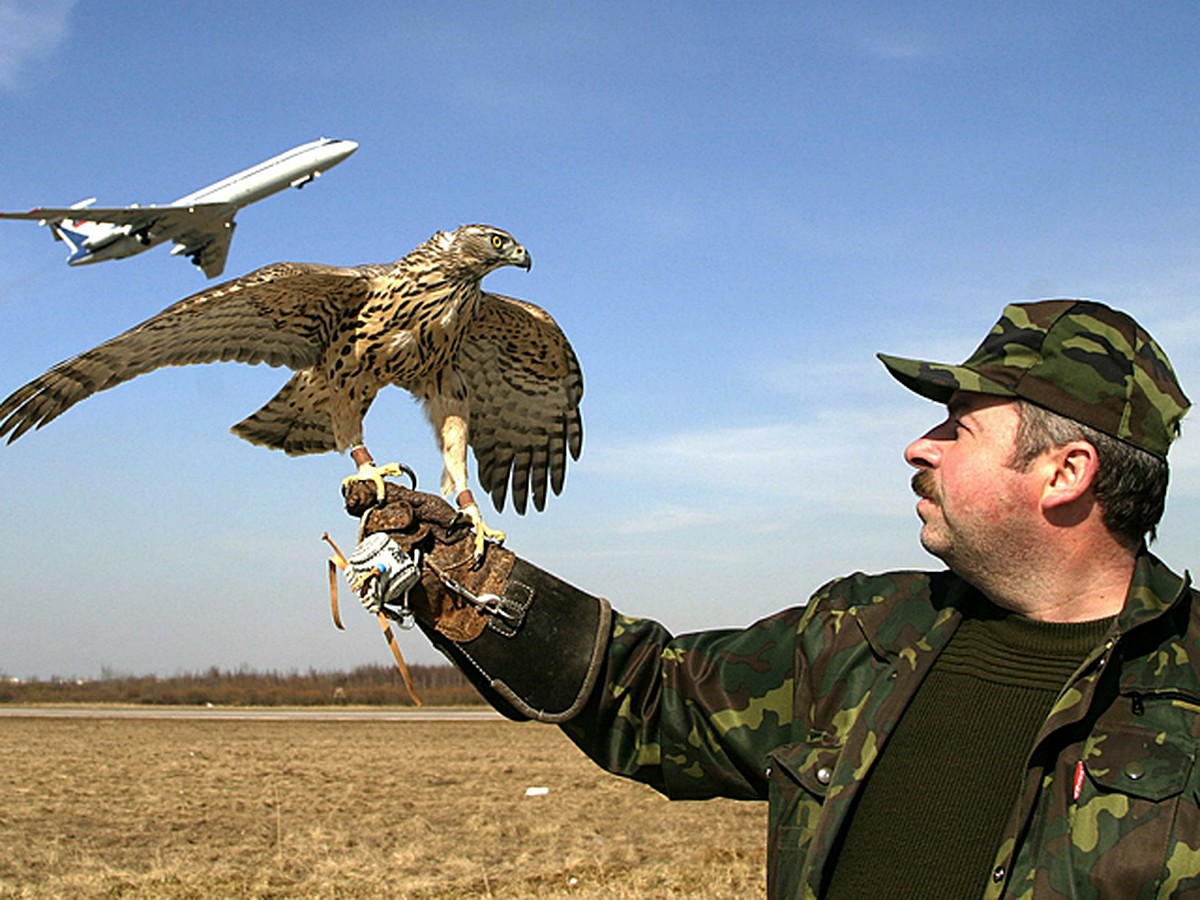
491	372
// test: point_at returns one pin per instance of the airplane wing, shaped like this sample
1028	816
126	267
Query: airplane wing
201	231
208	246
156	219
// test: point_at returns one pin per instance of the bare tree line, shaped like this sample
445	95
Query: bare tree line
369	685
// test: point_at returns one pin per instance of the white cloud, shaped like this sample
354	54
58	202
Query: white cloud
761	458
707	453
669	517
29	29
836	461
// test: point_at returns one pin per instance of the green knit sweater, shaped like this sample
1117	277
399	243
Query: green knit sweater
929	819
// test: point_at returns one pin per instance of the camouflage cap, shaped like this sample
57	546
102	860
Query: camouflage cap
1077	358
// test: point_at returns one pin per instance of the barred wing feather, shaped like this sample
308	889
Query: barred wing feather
525	386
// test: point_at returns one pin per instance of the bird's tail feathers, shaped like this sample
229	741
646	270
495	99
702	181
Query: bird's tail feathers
297	420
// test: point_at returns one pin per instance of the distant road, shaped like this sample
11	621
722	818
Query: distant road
313	714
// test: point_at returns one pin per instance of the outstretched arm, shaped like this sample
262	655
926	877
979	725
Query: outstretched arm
696	715
693	716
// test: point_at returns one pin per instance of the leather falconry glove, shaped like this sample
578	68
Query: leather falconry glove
532	644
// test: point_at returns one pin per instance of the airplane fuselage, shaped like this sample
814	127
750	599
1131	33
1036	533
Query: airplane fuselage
295	168
194	221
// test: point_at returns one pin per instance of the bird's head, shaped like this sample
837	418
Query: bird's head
482	249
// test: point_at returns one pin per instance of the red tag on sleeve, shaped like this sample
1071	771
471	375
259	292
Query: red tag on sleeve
1077	786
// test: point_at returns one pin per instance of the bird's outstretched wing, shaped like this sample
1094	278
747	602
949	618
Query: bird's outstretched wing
281	314
525	386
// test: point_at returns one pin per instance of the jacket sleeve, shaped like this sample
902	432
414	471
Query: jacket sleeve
693	716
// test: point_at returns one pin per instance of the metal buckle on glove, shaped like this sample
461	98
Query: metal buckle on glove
510	614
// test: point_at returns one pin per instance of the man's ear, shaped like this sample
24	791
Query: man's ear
1072	470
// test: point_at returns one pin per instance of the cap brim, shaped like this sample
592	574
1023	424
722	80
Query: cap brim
939	381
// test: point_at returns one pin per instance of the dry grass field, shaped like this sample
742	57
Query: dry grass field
187	808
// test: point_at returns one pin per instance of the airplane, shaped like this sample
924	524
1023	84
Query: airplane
201	224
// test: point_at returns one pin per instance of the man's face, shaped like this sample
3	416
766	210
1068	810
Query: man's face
976	509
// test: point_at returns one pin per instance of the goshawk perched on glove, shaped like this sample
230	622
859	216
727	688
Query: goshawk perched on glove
492	372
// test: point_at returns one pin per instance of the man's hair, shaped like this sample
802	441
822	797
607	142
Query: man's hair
1130	485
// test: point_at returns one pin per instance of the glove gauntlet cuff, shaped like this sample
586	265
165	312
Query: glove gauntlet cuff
541	650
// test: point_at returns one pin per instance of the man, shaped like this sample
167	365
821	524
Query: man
1022	724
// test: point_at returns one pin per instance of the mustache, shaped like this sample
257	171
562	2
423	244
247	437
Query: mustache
924	486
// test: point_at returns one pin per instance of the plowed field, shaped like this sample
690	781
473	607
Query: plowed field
184	808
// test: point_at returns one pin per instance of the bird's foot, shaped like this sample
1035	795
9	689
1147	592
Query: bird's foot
368	471
470	509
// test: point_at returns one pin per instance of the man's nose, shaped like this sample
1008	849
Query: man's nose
923	453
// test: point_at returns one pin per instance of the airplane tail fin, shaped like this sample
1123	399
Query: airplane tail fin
75	232
74	237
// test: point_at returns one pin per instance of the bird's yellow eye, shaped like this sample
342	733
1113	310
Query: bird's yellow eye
497	241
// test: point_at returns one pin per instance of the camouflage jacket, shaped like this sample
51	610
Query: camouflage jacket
797	707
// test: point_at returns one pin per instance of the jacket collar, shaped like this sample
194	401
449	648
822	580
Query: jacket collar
1153	591
930	617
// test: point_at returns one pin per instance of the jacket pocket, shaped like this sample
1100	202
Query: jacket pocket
1127	812
798	778
1140	762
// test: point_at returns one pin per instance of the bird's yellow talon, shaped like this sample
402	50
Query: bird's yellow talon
374	474
483	533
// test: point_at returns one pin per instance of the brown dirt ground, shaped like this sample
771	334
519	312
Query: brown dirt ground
185	808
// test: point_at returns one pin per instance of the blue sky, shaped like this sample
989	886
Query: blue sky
731	208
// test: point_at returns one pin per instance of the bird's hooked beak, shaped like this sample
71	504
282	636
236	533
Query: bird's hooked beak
521	258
